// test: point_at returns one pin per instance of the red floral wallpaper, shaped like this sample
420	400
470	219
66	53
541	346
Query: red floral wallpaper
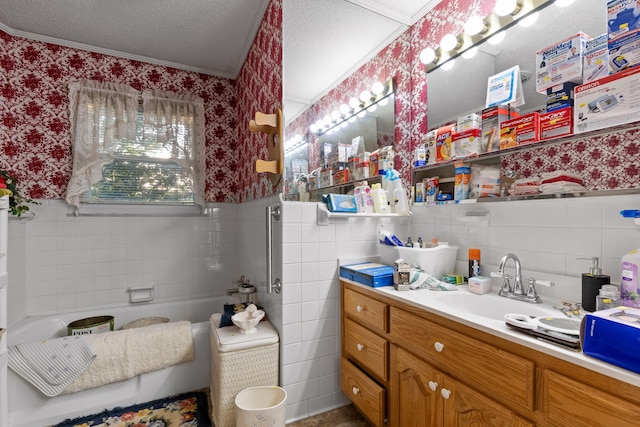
35	142
259	89
597	159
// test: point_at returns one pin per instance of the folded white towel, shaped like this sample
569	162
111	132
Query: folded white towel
561	187
130	352
51	365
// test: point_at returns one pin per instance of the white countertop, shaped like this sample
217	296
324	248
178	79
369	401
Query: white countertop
431	301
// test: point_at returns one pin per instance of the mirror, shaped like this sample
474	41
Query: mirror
462	89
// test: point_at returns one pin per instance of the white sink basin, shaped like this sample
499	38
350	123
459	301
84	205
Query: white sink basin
491	305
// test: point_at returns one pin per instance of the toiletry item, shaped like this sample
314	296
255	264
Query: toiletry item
474	263
367	200
388	238
420	243
409	243
629	283
400	199
609	297
591	284
379	199
480	284
358	196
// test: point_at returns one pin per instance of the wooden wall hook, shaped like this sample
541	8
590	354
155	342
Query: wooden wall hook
270	124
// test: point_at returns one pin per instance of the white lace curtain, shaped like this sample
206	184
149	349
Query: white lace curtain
177	122
102	113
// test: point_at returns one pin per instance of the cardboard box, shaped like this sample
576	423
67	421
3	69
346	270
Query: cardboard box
622	17
340	176
595	63
401	275
469	121
443	143
561	62
560	96
609	101
326	178
429	141
613	335
368	273
491	119
466	143
520	131
556	123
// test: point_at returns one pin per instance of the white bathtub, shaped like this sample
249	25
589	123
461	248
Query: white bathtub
29	407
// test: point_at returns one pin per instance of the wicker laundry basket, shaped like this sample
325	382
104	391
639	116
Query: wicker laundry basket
238	362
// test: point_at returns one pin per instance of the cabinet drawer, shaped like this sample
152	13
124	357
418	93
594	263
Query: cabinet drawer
366	310
505	376
365	347
366	394
570	402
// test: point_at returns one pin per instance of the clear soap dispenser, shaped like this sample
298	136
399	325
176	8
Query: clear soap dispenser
591	284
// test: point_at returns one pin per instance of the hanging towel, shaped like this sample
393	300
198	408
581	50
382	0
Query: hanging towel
51	365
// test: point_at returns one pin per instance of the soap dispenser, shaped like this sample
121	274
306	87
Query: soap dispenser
591	284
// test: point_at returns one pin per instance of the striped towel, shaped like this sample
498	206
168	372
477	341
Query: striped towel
51	365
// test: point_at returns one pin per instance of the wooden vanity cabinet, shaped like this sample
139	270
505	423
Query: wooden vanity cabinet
415	368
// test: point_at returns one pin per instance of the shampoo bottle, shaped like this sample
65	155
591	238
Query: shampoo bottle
366	196
591	284
629	283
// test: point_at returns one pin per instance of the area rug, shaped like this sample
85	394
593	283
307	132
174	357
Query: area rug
184	410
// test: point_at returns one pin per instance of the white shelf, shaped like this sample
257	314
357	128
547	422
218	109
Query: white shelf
325	216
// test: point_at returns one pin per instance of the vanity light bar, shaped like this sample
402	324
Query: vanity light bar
357	106
434	57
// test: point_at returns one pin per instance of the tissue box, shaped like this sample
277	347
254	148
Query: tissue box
613	335
368	273
342	203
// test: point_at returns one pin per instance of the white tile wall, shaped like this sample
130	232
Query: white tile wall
187	257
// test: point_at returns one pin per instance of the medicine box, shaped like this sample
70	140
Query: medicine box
443	143
492	117
561	62
466	143
368	273
595	63
429	141
613	335
560	96
609	101
326	178
469	121
340	176
623	17
401	274
520	131
556	123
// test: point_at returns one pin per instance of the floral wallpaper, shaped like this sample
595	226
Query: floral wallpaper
597	159
259	87
35	143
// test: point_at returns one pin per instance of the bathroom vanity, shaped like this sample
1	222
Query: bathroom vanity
408	361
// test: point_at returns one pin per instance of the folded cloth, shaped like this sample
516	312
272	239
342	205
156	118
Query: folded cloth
558	173
127	353
51	365
534	180
525	191
561	178
561	187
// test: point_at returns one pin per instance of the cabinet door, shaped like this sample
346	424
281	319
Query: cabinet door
465	407
414	391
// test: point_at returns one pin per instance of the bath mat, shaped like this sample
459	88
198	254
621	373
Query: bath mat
184	410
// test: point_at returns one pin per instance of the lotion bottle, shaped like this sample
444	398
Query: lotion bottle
379	199
591	284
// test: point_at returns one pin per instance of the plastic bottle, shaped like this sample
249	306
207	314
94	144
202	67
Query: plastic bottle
409	243
400	198
420	242
367	199
358	195
474	262
629	283
379	199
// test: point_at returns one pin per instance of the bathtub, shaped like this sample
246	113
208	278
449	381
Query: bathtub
29	407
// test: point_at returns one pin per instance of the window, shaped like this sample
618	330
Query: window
135	148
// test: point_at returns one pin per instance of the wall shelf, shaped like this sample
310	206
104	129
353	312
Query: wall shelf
325	216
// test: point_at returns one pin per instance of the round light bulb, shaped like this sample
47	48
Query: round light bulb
470	53
529	20
344	109
506	7
377	88
343	124
319	123
327	120
354	103
448	65
372	108
313	128
564	3
365	96
362	113
335	114
496	38
352	119
449	42
475	25
428	56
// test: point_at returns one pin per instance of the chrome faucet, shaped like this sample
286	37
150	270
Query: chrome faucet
517	292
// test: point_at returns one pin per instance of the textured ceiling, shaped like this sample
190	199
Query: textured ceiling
324	40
